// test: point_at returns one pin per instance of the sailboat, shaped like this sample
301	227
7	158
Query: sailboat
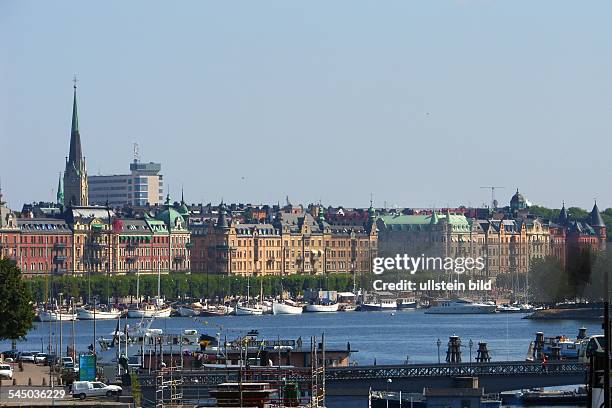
248	309
87	313
155	309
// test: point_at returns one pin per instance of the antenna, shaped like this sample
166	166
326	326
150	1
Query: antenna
136	152
493	201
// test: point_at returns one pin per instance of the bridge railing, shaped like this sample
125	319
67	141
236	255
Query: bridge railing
453	370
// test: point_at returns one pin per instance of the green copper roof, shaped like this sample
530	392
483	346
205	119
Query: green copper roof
453	219
75	116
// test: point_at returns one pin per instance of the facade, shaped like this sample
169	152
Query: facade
294	243
143	186
75	176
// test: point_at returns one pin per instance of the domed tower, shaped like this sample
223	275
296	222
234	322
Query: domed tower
598	224
517	202
222	219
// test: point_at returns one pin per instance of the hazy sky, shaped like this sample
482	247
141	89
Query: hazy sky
419	103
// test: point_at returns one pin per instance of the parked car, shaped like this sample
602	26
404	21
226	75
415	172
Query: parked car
26	356
6	371
66	360
84	389
41	358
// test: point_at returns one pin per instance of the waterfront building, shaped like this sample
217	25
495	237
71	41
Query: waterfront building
294	243
143	186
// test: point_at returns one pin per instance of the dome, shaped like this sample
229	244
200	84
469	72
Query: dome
171	217
518	202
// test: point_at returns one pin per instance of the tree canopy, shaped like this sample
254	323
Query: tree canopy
16	309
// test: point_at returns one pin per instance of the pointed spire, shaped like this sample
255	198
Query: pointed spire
434	218
75	156
60	191
182	196
595	218
563	215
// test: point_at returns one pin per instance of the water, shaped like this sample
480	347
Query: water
376	336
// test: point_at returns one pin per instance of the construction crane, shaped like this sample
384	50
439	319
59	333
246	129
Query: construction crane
493	200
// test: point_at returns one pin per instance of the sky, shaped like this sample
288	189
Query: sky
419	103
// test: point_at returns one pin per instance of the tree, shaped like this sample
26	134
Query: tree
15	303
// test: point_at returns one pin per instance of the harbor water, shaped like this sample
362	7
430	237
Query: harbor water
381	337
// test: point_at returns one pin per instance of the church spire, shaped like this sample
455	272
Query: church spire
60	191
76	154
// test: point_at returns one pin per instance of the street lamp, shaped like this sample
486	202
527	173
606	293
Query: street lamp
61	346
471	344
389	381
439	343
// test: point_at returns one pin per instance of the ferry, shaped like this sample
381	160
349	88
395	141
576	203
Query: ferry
406	303
382	304
460	306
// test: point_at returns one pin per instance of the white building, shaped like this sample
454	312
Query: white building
144	185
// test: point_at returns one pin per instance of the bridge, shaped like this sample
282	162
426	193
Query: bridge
356	381
493	376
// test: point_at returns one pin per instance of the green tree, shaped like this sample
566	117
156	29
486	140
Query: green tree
15	303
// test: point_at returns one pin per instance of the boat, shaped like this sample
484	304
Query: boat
382	304
332	307
148	310
406	303
347	307
248	310
86	313
188	311
55	316
286	307
506	308
460	306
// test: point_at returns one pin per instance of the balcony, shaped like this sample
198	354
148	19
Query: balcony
59	259
59	246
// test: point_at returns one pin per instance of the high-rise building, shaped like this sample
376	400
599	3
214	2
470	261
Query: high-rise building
75	175
144	185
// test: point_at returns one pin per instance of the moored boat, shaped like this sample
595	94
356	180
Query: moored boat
382	304
56	316
187	311
148	310
333	307
286	308
248	310
84	313
460	306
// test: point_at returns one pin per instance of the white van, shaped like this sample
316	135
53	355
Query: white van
84	389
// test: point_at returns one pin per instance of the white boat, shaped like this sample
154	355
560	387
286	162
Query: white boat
54	316
286	308
88	314
505	308
248	310
147	310
187	311
460	306
382	304
322	308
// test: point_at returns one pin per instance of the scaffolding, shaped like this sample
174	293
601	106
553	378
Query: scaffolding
168	385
